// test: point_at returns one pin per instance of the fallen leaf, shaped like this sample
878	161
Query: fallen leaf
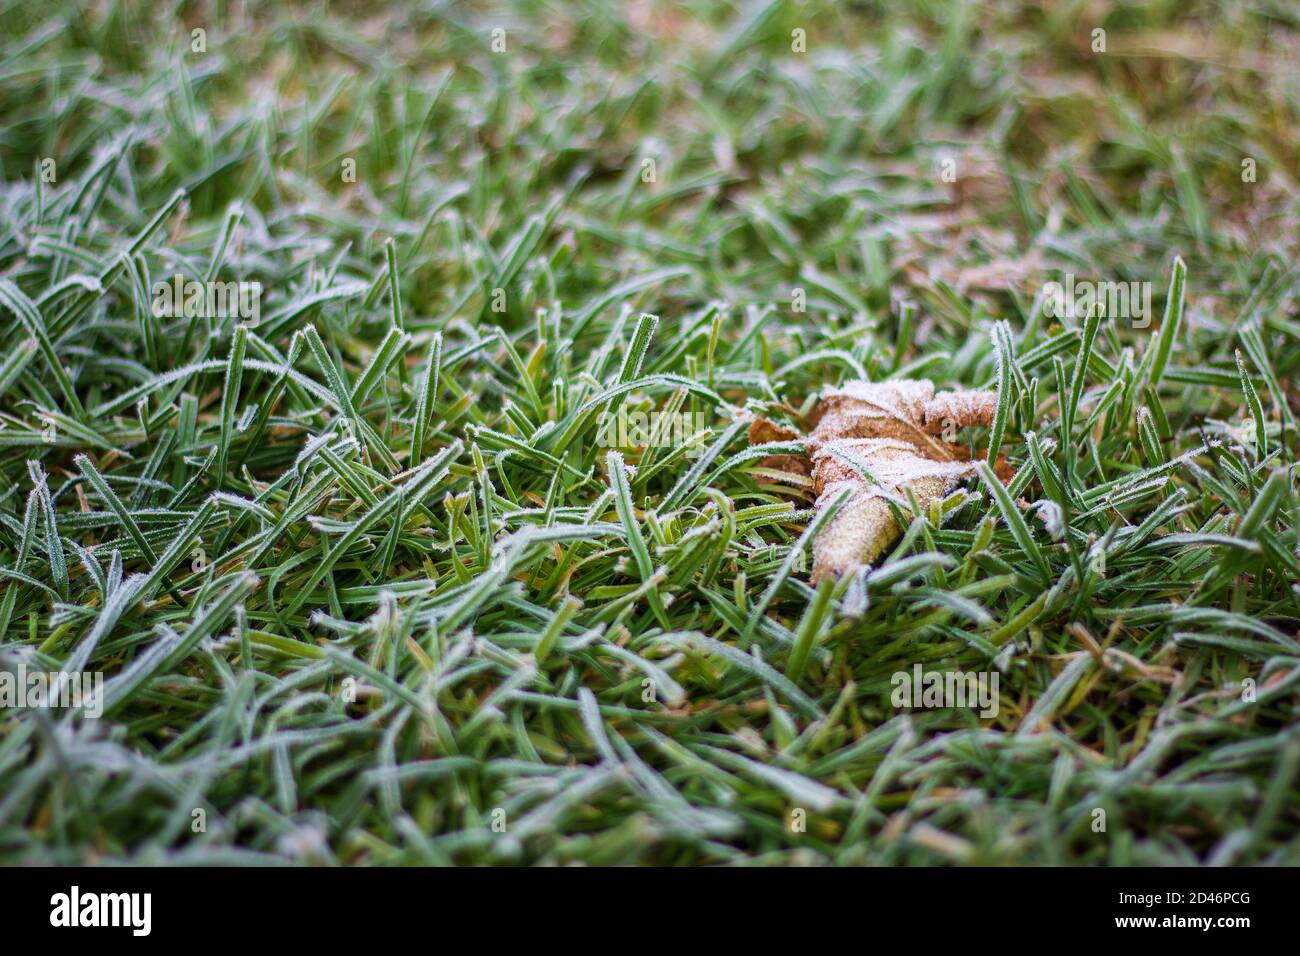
881	440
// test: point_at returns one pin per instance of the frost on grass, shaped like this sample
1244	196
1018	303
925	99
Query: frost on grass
885	442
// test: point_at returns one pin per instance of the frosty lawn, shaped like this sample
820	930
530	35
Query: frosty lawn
368	585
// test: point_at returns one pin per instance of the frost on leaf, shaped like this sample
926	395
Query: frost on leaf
882	440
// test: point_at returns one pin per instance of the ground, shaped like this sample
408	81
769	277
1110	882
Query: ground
354	558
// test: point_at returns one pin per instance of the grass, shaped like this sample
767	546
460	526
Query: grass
365	585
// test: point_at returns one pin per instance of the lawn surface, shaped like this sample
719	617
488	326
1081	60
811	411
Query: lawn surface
367	588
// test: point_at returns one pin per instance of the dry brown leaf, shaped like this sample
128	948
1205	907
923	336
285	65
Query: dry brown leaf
889	429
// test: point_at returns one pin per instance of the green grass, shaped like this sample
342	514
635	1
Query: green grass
391	488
